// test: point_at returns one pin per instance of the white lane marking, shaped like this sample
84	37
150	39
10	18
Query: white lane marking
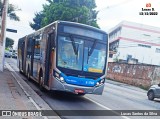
29	97
107	108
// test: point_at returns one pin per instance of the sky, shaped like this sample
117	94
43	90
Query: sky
111	12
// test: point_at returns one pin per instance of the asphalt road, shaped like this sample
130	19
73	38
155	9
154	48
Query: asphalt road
116	96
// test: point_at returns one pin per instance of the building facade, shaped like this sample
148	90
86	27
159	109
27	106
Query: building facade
135	42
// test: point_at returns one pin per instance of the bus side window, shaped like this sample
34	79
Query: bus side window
37	48
52	41
29	48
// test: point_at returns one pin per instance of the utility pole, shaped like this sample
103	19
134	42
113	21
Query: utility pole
3	33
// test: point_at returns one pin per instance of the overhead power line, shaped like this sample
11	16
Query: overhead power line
113	6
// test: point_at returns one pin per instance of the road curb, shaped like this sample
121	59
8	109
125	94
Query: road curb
26	89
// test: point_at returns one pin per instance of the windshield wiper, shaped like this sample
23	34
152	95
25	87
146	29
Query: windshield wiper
90	51
74	45
92	48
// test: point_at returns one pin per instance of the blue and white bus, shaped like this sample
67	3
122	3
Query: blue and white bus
65	56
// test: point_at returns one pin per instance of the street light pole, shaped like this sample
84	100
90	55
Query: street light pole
3	34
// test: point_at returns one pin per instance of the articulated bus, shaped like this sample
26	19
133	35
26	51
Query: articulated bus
65	56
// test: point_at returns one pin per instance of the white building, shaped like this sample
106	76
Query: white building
135	41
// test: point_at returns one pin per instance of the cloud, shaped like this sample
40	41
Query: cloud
28	9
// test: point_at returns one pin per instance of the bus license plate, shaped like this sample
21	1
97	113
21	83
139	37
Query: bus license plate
79	91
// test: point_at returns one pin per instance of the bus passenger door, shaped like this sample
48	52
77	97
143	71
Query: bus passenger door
32	54
22	54
48	63
36	57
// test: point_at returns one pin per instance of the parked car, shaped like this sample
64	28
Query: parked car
8	54
14	55
154	92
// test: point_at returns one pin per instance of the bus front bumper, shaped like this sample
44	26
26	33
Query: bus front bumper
57	85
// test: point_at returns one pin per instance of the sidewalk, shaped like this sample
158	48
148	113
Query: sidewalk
16	95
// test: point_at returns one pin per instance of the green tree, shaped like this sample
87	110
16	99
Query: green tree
37	21
11	11
82	11
9	43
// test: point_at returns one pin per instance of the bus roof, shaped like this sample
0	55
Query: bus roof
82	25
70	23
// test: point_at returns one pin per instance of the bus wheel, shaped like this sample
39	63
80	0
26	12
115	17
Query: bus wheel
41	83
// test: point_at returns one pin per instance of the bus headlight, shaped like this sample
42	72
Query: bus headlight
58	77
102	80
61	79
99	83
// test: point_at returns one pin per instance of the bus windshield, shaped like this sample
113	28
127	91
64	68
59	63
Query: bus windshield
70	54
94	57
80	54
